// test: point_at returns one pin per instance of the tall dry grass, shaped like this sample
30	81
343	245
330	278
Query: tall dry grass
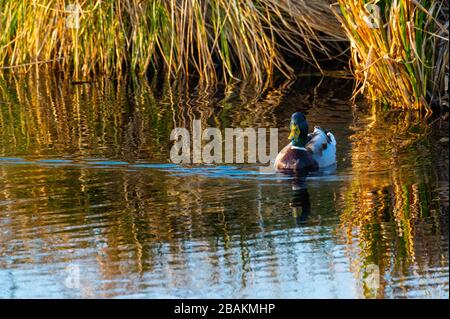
403	62
400	54
216	39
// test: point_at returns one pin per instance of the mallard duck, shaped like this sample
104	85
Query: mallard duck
306	151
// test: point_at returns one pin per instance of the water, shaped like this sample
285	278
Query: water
90	205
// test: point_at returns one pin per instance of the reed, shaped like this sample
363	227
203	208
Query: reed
216	39
400	53
403	62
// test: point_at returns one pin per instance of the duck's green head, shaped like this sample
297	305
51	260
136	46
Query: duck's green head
299	130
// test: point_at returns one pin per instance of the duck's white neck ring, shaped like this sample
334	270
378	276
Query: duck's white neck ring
298	148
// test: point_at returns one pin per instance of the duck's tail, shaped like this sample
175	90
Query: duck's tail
331	138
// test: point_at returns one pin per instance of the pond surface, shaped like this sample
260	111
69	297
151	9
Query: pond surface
90	205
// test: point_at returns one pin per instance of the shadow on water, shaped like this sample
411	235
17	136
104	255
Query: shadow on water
86	185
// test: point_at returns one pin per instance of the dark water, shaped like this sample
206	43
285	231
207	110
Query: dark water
90	205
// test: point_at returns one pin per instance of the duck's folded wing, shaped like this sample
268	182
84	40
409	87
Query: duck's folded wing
318	142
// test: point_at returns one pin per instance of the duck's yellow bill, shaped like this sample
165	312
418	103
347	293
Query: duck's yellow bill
295	132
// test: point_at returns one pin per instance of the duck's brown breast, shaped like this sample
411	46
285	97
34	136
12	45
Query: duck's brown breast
295	159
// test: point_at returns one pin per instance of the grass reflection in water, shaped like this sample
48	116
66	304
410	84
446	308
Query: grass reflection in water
85	179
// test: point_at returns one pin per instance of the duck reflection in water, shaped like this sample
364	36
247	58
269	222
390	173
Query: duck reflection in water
300	201
300	204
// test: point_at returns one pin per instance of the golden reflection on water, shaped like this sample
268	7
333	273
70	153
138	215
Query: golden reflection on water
394	190
386	204
43	114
